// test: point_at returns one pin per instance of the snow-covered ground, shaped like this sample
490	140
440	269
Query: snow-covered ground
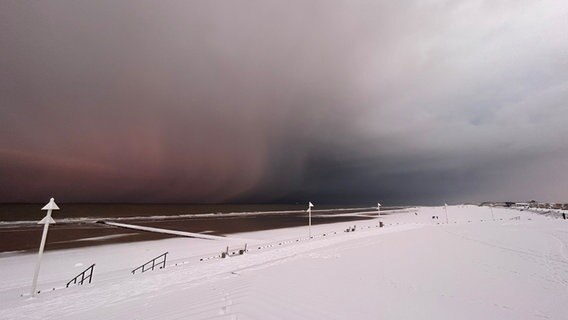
416	267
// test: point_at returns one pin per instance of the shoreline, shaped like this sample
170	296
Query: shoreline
25	239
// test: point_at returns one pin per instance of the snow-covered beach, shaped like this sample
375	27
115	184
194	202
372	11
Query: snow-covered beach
507	265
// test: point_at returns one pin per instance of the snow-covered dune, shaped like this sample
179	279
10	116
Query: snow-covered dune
480	265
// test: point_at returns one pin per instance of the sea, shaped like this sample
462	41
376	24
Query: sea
78	225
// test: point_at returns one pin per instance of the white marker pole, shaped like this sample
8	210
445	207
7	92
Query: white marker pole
45	221
310	205
378	209
446	208
492	215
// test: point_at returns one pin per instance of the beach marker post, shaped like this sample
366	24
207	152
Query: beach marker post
45	221
446	209
378	209
310	205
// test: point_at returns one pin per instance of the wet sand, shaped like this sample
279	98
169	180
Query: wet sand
66	236
75	235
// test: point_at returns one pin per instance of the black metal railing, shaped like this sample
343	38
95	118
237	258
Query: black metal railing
87	274
156	262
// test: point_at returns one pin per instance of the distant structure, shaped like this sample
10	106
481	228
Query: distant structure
528	205
520	205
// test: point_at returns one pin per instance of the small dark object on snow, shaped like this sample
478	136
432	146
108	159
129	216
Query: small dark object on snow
240	251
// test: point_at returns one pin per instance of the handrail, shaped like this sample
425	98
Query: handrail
82	275
153	262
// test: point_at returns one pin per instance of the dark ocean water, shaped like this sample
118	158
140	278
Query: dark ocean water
32	212
76	223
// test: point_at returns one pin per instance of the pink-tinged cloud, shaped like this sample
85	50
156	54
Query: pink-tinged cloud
214	101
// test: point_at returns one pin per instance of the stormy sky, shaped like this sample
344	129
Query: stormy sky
403	102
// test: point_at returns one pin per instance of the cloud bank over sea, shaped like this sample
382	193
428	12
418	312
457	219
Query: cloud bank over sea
284	101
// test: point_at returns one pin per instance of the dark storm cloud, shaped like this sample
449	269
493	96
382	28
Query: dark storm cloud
355	101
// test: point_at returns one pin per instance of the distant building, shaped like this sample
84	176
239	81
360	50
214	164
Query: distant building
520	205
527	205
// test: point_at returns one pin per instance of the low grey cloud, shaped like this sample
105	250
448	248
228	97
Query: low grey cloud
262	101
